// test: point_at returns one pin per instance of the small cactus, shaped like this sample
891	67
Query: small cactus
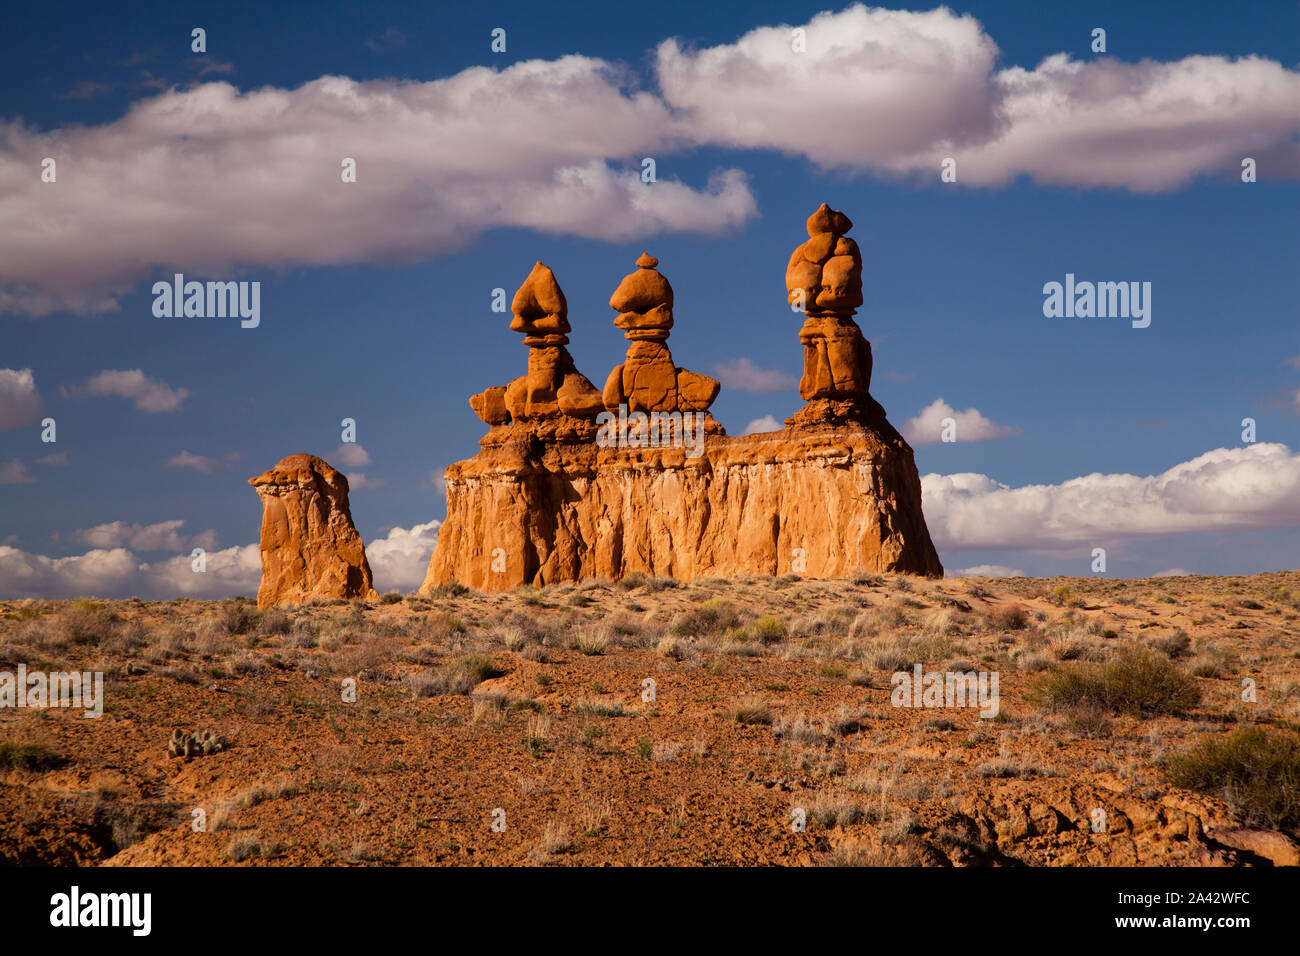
187	745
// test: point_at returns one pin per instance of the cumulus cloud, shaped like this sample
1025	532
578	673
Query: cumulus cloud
360	481
555	146
350	455
15	473
399	561
186	459
927	427
1144	126
161	536
986	571
873	85
112	568
921	87
149	394
1256	487
118	573
743	375
765	424
548	145
20	403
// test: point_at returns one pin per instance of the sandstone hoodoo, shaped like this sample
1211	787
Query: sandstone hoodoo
647	381
554	398
310	548
547	499
824	279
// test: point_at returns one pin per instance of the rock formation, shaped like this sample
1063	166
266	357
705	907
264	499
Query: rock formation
310	548
554	398
647	381
834	492
824	279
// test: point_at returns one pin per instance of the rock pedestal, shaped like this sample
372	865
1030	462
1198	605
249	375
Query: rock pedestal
310	548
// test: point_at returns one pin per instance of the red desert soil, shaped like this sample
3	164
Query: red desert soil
771	702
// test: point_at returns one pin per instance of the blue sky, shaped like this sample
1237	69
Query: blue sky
376	305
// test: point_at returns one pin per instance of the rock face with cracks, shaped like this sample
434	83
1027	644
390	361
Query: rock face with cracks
310	548
547	499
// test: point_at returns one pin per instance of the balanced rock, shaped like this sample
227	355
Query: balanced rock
554	398
310	548
648	381
824	278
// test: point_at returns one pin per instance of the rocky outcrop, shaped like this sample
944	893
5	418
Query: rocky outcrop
835	492
310	548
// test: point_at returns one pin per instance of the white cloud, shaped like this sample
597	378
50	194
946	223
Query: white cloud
149	394
227	573
57	460
1293	361
399	561
897	91
1256	487
15	473
986	571
350	455
873	85
95	573
437	478
553	146
185	459
927	427
20	403
111	569
118	573
743	375
1145	126
1172	573
360	481
162	536
765	424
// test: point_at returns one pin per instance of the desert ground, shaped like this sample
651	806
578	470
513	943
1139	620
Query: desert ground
652	722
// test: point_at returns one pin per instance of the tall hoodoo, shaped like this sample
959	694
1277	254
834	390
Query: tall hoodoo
310	548
648	381
824	279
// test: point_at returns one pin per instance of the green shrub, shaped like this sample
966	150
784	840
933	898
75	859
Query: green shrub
1136	681
770	630
26	755
1254	770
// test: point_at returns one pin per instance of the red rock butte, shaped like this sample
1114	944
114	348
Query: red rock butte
574	483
